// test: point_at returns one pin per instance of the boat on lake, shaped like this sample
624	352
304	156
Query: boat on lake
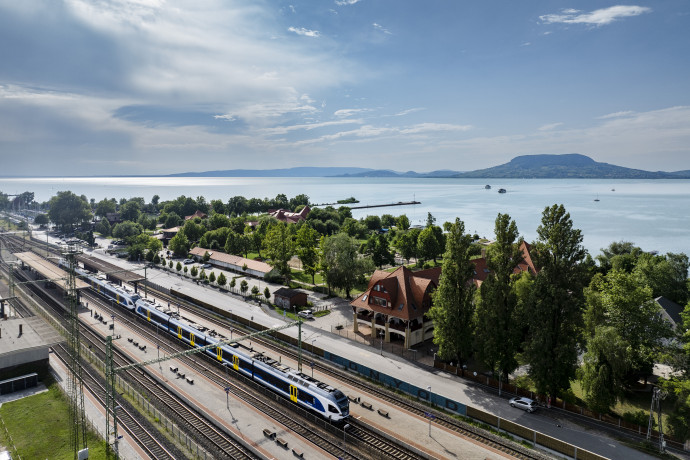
487	186
501	190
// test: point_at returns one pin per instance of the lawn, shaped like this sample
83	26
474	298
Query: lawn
40	428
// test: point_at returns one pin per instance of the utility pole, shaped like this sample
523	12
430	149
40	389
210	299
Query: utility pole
657	396
75	382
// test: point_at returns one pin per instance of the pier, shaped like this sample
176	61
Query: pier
399	203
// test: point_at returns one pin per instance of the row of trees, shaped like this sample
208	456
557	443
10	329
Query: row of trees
571	307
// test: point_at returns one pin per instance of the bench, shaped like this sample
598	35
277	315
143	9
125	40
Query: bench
297	453
180	375
190	380
353	398
366	405
282	443
135	343
269	434
173	368
142	347
129	339
383	413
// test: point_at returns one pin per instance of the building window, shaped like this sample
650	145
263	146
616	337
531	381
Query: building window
379	301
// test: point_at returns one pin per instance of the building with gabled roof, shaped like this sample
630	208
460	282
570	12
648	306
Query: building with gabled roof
397	302
234	263
198	214
288	216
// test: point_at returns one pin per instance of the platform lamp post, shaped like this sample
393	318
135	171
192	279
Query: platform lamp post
312	359
347	425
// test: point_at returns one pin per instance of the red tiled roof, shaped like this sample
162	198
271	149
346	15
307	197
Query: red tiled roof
197	213
288	216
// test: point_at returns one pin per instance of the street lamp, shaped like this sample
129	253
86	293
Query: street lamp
312	362
347	425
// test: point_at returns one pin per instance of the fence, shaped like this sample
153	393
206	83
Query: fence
558	403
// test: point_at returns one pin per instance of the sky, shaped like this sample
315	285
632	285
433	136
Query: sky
100	87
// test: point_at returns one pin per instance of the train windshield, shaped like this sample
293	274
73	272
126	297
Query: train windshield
342	400
134	298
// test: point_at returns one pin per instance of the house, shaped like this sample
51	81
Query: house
396	303
113	218
289	298
288	216
671	312
169	234
198	214
233	263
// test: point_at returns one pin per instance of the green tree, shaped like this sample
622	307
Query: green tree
105	206
178	267
556	303
372	222
387	220
156	259
233	283
666	275
306	248
244	286
42	220
429	245
127	230
406	243
170	263
194	271
222	280
453	306
103	227
179	244
185	269
68	209
340	265
403	222
430	220
499	321
130	211
255	290
280	249
212	277
267	294
378	249
605	365
172	220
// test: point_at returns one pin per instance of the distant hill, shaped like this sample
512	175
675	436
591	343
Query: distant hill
307	171
568	166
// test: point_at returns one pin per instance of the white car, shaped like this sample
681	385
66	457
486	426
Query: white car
306	314
523	403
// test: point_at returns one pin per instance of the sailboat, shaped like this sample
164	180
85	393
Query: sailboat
597	198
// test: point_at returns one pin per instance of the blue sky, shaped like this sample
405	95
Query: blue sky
153	87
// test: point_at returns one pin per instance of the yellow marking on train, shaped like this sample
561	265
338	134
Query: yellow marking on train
191	339
235	362
219	353
179	332
293	393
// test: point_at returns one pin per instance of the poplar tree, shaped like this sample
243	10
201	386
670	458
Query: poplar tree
453	306
307	240
556	302
499	322
280	249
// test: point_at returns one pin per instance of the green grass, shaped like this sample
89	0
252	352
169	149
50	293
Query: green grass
40	428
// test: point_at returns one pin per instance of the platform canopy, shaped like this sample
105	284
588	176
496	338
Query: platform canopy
113	271
48	270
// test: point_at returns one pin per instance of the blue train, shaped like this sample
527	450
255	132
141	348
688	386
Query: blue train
301	389
109	290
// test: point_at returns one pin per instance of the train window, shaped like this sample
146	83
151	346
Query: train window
332	408
306	397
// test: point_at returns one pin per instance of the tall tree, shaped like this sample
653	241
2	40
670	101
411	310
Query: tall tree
306	246
430	243
378	249
280	248
499	322
340	263
453	306
556	302
403	222
68	209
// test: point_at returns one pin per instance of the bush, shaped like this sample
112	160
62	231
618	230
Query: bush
638	417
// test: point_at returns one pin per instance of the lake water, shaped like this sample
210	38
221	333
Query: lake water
654	214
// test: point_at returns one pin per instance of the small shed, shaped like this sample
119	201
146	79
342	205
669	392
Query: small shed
288	298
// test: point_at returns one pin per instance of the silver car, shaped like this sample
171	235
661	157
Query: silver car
523	403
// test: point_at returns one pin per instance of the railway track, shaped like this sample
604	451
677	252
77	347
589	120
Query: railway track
320	433
358	431
143	435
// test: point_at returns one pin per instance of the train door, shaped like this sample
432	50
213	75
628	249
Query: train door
148	315
179	332
236	362
117	298
293	393
191	338
219	353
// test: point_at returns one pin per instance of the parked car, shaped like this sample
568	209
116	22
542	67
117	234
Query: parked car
306	314
188	261
206	266
523	403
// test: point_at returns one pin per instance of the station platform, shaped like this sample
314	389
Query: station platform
48	270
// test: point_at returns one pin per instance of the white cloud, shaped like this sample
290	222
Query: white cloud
344	113
549	127
409	111
279	130
379	27
305	32
598	17
625	113
346	2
